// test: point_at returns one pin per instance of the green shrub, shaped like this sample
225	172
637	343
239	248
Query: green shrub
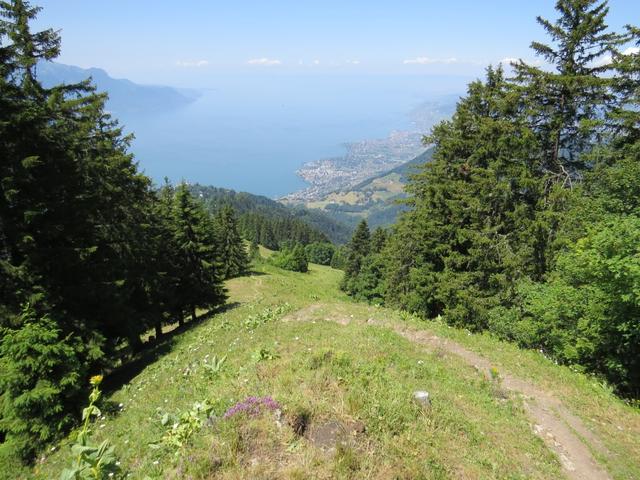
42	371
588	312
320	253
294	259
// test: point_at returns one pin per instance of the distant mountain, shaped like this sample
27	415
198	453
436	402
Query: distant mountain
375	199
125	96
297	218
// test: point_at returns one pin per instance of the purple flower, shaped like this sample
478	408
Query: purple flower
252	406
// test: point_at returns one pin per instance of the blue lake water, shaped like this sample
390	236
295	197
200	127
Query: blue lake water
251	133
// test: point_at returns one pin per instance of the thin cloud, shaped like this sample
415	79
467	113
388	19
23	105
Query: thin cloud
265	62
429	61
192	64
632	51
509	60
353	62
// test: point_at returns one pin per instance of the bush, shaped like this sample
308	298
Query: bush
588	312
320	253
294	259
42	371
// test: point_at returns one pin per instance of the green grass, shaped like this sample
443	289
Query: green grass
296	338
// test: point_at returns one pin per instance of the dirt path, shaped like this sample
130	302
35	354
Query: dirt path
562	431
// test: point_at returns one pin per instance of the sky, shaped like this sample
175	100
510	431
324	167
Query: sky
187	42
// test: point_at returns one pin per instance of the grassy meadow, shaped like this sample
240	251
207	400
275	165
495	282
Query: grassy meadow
332	384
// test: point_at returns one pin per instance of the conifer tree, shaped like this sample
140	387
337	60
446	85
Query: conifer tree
378	240
231	248
199	282
568	104
357	249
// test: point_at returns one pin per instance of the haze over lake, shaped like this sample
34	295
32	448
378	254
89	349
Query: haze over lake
252	132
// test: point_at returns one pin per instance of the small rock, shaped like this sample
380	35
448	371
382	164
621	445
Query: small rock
422	397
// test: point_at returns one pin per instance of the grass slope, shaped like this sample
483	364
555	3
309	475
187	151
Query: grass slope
344	380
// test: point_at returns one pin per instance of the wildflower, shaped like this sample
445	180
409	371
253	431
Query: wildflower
252	406
96	380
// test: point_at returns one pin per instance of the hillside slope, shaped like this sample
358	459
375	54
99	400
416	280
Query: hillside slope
375	199
125	96
340	379
244	203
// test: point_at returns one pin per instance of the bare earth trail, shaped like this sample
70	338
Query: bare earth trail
563	432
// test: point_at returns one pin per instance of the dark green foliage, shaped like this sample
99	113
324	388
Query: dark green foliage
356	252
269	222
199	281
42	374
320	252
526	220
294	259
588	312
473	228
231	247
339	258
378	240
97	255
254	252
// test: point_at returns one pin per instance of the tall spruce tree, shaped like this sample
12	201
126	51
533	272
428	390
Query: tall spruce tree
468	235
357	249
74	218
231	248
199	282
568	104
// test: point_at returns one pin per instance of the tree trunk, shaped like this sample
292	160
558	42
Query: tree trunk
158	330
180	320
193	313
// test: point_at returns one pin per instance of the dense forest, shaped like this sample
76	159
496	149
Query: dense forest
92	256
271	223
527	221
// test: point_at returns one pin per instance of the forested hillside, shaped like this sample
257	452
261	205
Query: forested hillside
526	222
91	255
269	222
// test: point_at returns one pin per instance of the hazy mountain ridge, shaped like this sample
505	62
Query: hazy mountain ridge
125	96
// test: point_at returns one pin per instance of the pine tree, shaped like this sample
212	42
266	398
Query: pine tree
625	116
568	105
231	247
357	250
199	282
469	233
254	252
378	240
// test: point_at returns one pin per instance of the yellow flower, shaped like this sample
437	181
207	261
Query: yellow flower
95	380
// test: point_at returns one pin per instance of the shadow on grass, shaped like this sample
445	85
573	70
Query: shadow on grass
153	350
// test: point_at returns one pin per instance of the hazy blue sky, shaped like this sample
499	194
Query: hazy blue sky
186	42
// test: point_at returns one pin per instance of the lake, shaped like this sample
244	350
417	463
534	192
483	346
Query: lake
251	133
